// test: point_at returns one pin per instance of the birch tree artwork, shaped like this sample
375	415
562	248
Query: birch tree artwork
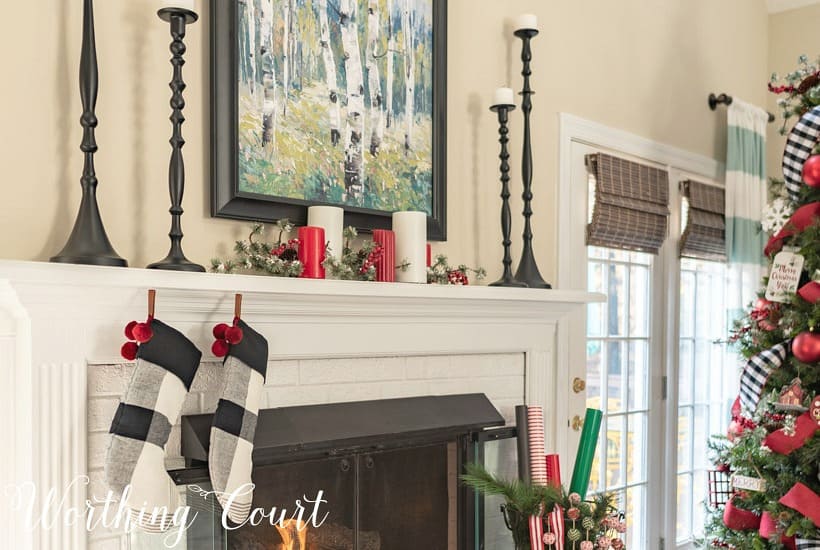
336	101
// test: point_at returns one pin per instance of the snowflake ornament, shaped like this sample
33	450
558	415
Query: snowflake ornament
775	215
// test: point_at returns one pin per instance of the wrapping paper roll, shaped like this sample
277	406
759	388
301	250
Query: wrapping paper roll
386	266
312	252
536	533
411	245
586	453
535	433
331	219
553	464
555	525
523	442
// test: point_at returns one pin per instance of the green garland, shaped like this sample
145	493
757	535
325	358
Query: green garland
278	258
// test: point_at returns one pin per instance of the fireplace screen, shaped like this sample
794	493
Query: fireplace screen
394	493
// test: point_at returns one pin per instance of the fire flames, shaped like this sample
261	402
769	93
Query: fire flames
293	533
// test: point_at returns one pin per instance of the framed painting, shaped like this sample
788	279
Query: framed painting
339	102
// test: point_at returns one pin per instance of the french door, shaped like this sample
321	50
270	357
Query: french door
656	361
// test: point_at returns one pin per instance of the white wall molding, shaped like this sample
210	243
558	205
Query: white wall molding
77	313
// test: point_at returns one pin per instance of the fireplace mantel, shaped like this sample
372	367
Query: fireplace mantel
56	320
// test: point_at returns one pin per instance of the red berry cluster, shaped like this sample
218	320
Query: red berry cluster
457	277
226	336
372	258
781	89
137	333
287	251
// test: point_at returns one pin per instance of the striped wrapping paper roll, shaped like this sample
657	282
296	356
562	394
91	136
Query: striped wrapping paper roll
555	519
523	441
538	469
538	466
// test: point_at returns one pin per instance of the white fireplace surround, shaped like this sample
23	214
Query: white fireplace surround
59	322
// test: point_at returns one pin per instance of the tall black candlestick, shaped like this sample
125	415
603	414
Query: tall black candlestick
88	242
176	260
527	269
507	278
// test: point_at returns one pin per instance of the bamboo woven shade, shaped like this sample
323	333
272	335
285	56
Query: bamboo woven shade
631	209
705	234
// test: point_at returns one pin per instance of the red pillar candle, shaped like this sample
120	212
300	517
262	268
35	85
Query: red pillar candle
386	266
429	255
312	251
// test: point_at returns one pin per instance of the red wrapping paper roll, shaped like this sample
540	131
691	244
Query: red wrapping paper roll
312	251
386	266
553	465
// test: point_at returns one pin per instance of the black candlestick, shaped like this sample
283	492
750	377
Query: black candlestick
176	260
88	242
507	278
527	269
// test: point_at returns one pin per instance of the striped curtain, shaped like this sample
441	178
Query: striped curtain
745	201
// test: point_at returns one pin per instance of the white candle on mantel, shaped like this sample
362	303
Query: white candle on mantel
504	96
411	246
184	4
526	21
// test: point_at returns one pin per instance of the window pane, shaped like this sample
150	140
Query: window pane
699	490
595	358
702	371
639	301
687	302
684	439
616	358
700	436
615	451
617	300
636	448
684	527
636	517
685	369
638	374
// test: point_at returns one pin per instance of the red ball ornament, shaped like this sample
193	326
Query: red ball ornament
219	331
129	330
811	171
735	430
220	348
129	350
142	332
233	335
806	347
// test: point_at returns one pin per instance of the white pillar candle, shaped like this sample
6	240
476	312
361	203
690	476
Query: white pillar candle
184	4
504	96
411	246
526	21
331	219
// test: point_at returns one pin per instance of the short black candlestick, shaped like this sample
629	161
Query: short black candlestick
88	242
507	278
176	260
527	269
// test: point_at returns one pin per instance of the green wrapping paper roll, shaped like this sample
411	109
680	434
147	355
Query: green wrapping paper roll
586	453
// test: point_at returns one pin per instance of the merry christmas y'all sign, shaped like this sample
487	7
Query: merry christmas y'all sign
784	277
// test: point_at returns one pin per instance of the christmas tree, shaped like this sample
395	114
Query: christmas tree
771	451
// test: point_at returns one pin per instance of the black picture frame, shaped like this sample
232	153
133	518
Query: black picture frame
227	201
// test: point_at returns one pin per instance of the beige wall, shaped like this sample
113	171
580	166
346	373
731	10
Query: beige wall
791	33
642	66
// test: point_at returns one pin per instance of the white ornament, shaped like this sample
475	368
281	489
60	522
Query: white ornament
775	215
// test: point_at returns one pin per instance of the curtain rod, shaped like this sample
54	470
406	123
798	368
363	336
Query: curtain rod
723	99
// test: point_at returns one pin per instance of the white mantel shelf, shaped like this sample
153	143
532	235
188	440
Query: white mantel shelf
57	321
43	273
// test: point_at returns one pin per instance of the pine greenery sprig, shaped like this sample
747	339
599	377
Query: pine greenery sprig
355	264
524	498
442	273
278	259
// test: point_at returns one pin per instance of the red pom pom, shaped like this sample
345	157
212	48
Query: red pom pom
129	350
233	335
220	348
142	332
219	331
129	330
811	171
